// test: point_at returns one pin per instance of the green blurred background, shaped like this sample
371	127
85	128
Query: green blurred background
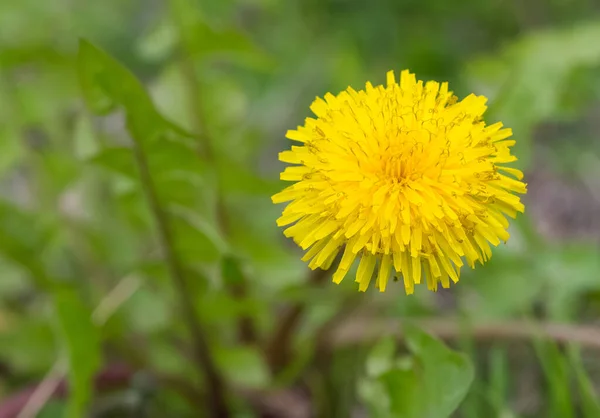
86	295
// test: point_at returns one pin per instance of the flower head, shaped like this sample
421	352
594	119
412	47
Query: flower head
403	177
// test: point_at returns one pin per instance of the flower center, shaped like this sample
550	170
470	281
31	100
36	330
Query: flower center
400	164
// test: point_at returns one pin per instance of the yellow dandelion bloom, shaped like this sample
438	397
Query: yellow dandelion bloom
403	177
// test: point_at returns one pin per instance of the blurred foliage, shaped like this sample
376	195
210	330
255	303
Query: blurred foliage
180	109
430	383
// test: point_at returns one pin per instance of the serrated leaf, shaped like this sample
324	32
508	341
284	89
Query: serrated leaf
107	84
82	340
162	143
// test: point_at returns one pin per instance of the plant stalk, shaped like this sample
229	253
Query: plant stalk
203	357
247	333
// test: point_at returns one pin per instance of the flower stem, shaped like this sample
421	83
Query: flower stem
204	360
246	328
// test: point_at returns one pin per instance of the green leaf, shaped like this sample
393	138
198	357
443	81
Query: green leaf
587	394
82	341
53	409
244	366
224	309
24	236
528	78
12	284
202	40
85	143
512	284
168	156
116	159
430	384
578	262
235	178
192	239
446	375
147	311
381	357
60	171
557	374
232	271
159	42
374	394
11	150
402	391
106	85
342	381
167	148
183	190
26	344
165	357
498	387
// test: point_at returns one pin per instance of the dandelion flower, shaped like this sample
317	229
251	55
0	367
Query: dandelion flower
402	177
